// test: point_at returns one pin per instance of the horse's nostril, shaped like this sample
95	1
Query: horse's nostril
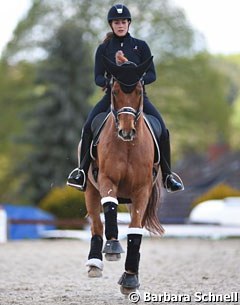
133	132
120	133
127	135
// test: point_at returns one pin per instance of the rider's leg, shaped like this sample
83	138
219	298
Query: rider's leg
169	179
78	177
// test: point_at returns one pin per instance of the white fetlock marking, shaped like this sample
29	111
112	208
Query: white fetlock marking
95	262
109	199
135	231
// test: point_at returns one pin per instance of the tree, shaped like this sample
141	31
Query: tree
36	40
55	124
16	96
191	95
163	25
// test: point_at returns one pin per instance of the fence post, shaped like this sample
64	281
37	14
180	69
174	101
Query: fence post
3	225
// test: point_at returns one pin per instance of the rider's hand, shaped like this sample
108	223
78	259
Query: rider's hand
107	85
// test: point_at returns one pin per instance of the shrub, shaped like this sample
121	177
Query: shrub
219	191
122	208
68	203
65	203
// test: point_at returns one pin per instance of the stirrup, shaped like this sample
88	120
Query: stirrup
82	186
166	180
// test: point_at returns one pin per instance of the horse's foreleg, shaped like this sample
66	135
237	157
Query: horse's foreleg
110	205
109	202
94	262
129	280
112	247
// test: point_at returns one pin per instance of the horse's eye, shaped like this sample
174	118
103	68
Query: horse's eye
114	92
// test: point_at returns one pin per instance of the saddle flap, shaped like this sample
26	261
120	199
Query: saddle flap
155	129
97	125
96	128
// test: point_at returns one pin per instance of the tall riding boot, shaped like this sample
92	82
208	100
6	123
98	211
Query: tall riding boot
169	181
78	177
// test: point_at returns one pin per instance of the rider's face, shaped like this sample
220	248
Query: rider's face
120	27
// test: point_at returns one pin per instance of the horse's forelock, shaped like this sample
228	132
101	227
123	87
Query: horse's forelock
128	89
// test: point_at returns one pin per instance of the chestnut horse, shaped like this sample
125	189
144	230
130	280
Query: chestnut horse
125	161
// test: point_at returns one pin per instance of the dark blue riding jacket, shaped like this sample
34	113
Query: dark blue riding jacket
134	50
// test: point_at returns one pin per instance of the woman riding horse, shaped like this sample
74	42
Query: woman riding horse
125	138
137	51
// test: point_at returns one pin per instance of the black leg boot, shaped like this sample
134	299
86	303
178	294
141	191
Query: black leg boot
78	177
169	178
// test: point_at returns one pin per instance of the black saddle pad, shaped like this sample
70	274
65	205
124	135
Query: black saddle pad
155	124
97	125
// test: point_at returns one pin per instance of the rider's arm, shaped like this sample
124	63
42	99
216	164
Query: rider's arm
99	69
150	76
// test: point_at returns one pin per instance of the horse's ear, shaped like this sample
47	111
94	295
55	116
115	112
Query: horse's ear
127	74
110	66
143	67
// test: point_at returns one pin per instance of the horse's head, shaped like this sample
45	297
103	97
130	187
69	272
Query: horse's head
127	95
126	108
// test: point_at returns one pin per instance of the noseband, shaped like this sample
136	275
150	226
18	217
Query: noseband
126	110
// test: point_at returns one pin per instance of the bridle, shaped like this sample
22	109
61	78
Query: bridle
129	76
125	110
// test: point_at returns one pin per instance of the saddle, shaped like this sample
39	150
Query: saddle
152	123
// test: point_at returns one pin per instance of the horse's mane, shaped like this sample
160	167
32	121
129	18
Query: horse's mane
120	58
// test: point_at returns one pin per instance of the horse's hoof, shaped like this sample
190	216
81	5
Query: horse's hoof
94	272
127	291
129	283
113	247
112	257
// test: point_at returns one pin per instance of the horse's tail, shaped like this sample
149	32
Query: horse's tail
150	218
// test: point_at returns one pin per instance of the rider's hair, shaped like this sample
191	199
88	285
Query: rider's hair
108	36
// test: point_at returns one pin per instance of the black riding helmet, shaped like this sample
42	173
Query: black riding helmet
118	11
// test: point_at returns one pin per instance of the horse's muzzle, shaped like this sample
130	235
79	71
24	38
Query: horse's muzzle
127	135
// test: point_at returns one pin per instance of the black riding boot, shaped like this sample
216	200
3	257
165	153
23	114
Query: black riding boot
169	181
78	177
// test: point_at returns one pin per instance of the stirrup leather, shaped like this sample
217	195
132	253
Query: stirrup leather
178	178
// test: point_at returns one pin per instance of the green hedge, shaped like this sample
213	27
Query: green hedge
65	203
68	203
219	191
